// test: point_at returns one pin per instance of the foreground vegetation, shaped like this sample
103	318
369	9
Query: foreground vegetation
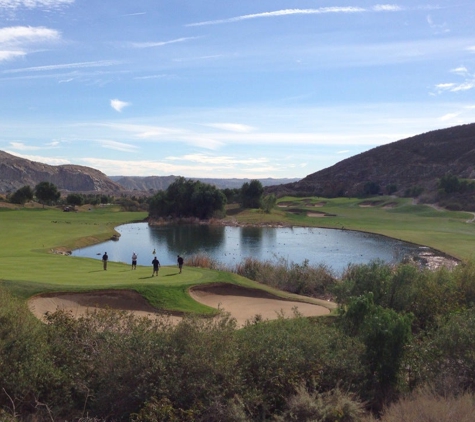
375	358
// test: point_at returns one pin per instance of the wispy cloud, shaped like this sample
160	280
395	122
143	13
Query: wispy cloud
151	44
15	41
439	28
53	161
387	8
118	105
10	55
20	146
80	65
33	4
284	12
467	84
220	160
118	146
27	34
135	14
449	116
231	127
289	12
189	166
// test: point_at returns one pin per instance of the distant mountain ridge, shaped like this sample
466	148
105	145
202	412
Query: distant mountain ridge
16	172
162	182
419	161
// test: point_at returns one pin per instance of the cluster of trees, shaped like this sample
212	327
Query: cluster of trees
188	198
452	184
183	198
45	192
399	329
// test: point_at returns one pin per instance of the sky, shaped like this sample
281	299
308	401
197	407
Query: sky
228	89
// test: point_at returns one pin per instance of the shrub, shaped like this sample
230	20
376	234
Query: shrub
331	406
424	405
288	276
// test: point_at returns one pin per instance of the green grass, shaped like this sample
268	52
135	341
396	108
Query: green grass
446	231
28	265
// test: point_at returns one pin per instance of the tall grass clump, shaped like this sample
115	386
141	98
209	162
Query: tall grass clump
202	260
424	405
302	279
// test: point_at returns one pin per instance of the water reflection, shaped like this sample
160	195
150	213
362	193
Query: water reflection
230	245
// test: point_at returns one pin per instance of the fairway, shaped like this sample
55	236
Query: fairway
30	264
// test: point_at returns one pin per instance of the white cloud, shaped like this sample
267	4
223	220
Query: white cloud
118	105
118	146
449	116
53	161
345	151
10	55
203	141
27	34
15	40
285	12
231	127
438	28
387	8
217	160
461	70
466	85
80	65
20	146
160	43
32	4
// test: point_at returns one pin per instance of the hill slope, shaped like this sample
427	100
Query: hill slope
16	172
419	161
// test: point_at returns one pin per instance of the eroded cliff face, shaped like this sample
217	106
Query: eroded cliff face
16	172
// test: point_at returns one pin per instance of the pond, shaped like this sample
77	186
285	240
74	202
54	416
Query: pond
231	245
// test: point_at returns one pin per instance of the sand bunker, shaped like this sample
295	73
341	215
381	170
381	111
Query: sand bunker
315	214
243	304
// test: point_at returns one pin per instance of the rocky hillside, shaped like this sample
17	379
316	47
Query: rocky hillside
16	172
411	165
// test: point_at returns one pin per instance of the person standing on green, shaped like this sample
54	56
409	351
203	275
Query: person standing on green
156	266
180	262
105	258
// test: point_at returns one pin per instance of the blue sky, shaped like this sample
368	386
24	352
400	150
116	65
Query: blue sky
238	88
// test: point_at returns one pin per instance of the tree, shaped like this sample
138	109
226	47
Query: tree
385	333
371	188
22	195
251	194
47	193
188	198
268	202
74	199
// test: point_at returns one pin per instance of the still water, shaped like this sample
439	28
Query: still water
231	245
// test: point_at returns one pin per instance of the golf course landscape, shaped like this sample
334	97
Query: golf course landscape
393	329
34	241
